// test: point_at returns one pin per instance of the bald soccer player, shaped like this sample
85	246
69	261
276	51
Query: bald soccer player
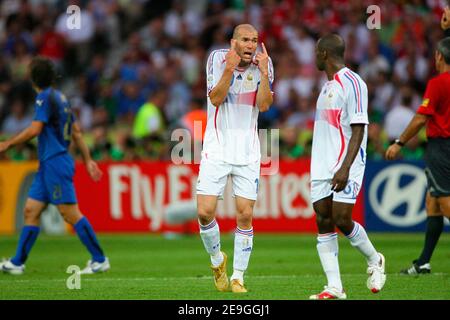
239	87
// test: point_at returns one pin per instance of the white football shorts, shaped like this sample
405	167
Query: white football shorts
321	189
213	177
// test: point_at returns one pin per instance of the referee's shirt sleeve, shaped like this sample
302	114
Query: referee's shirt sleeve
430	99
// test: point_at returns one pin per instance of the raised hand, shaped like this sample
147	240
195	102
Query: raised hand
445	20
263	60
232	58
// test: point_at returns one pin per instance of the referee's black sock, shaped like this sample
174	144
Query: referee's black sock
434	229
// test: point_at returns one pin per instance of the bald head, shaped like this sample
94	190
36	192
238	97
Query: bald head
244	42
330	51
243	28
333	45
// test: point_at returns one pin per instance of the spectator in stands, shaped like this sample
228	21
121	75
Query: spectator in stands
149	119
18	119
398	118
124	50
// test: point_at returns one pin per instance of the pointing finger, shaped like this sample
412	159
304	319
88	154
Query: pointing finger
233	44
264	47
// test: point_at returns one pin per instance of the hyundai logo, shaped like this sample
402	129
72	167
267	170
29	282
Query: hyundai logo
387	194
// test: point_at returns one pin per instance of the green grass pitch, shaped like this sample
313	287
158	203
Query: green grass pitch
282	267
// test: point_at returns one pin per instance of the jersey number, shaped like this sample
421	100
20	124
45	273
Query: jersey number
68	126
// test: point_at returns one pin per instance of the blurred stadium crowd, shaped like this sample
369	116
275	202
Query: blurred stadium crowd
136	69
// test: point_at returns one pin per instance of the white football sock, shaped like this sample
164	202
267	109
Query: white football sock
243	246
210	235
359	239
239	275
327	247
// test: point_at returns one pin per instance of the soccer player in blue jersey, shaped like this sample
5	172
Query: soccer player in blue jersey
55	126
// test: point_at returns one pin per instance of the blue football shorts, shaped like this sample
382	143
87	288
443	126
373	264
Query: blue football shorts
53	182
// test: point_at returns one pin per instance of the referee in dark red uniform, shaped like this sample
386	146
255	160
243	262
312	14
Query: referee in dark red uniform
435	114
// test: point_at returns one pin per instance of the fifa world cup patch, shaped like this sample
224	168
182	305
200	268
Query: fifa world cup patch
425	102
248	83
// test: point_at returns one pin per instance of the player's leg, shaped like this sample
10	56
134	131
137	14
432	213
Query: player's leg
356	234
210	185
437	172
35	204
245	189
444	205
435	225
59	172
30	231
243	242
327	241
209	228
85	232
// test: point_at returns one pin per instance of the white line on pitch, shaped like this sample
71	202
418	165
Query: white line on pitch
88	278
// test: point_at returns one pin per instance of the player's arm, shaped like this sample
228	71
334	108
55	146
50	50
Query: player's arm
27	134
91	165
431	99
413	128
264	97
218	94
340	178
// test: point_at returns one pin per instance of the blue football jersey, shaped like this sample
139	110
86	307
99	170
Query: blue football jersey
52	108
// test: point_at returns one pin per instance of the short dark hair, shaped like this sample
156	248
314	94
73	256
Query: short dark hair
443	47
42	72
333	44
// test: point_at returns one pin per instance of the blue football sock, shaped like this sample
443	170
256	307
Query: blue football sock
87	236
27	239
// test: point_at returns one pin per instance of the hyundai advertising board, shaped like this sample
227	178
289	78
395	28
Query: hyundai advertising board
395	196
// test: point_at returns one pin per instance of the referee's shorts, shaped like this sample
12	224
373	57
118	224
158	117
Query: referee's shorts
437	161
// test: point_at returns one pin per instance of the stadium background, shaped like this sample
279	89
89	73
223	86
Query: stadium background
128	53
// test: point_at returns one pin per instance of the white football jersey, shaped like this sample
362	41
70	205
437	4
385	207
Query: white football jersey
341	103
232	129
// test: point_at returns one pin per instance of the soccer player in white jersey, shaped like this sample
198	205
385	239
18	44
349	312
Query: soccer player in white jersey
239	87
337	166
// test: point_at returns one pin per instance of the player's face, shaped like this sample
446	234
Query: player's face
320	59
246	44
